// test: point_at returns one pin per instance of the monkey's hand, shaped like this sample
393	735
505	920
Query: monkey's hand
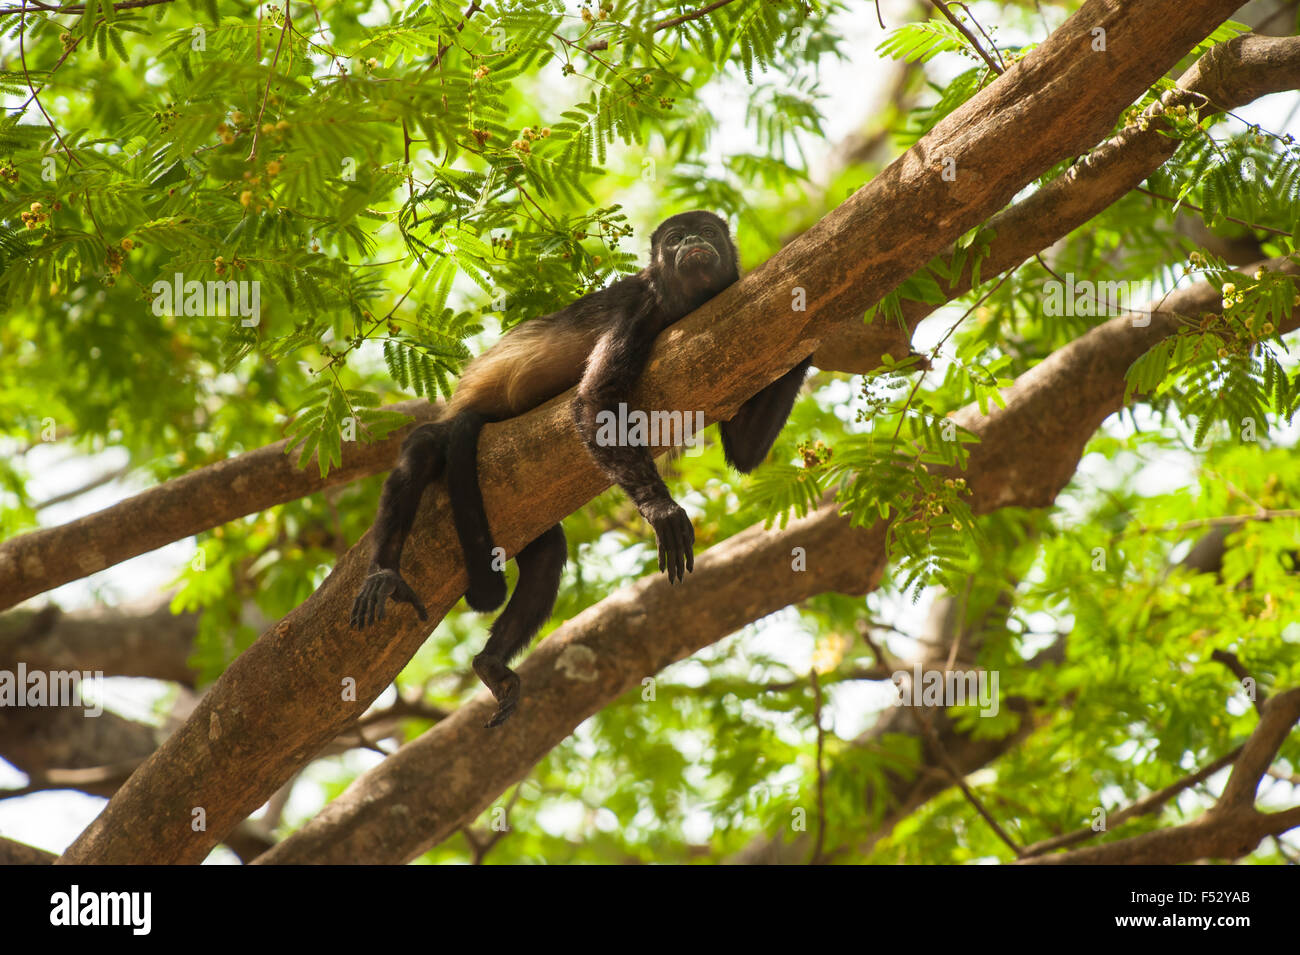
369	606
676	539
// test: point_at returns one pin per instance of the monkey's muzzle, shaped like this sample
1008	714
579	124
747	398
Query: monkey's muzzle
696	253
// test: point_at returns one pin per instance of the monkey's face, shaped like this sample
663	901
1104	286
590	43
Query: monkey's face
696	248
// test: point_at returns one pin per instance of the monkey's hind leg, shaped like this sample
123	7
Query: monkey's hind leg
487	586
421	462
540	565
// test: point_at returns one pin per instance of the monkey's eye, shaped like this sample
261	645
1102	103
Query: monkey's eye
708	232
673	238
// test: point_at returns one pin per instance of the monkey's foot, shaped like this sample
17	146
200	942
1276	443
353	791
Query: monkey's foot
487	591
676	541
503	682
368	607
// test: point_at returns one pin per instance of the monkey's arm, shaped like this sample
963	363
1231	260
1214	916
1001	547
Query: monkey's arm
751	432
612	372
423	456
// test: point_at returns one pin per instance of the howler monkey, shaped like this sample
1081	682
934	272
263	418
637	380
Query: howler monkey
601	343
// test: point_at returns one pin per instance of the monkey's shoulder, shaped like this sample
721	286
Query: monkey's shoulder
605	306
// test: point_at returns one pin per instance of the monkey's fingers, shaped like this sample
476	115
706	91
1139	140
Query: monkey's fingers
668	554
503	713
361	612
680	541
370	603
406	593
679	553
688	546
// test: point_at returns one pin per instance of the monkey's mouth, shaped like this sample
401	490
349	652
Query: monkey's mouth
696	256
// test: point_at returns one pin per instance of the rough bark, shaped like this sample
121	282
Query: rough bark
1228	75
44	559
19	853
156	644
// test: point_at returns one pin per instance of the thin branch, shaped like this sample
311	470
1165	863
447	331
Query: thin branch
1196	208
820	843
984	34
1143	807
1239	670
959	780
270	77
106	478
22	56
970	37
77	7
599	45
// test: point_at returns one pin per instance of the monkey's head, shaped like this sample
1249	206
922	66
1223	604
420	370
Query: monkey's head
693	251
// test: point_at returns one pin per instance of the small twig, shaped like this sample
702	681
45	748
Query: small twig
598	45
1143	807
982	32
1239	670
820	843
1246	223
934	352
105	478
22	56
959	780
77	7
266	94
970	37
481	847
472	9
1229	520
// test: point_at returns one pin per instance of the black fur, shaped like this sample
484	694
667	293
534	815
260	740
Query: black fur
692	259
752	431
487	587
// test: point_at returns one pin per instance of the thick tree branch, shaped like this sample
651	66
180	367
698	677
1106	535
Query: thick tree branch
1231	829
156	644
42	560
428	790
227	759
1229	75
19	853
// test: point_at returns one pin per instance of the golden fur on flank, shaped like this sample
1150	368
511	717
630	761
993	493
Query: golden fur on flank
531	364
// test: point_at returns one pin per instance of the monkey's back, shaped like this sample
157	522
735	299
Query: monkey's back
542	357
